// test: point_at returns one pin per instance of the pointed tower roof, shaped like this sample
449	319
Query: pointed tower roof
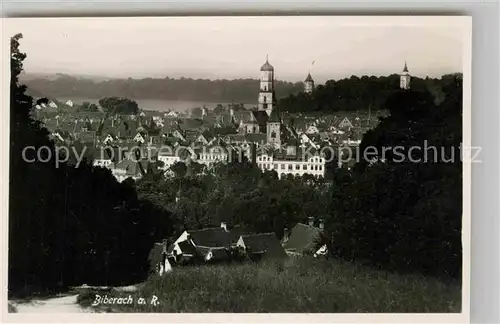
267	66
274	117
405	69
309	78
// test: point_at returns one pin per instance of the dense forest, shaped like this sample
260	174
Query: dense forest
241	90
349	94
358	94
69	226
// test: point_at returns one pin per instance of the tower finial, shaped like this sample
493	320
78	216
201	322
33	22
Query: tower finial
405	68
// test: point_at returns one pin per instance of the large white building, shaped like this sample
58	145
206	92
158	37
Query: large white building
295	162
214	154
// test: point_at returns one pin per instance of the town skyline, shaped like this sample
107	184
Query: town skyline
235	47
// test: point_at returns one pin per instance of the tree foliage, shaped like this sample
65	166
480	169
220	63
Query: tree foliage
87	107
70	225
356	94
405	213
240	90
239	194
401	215
118	105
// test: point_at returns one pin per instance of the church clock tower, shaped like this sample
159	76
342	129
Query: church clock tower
266	93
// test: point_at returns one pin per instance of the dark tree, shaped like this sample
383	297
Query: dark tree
118	105
70	225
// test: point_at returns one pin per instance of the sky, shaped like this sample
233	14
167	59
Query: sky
236	47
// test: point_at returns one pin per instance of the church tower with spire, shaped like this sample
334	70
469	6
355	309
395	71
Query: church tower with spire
308	84
404	78
266	93
273	129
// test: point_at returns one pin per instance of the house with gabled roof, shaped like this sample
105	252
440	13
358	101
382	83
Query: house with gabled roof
210	244
312	129
177	133
172	113
139	138
170	155
253	122
107	156
307	140
129	168
343	123
261	246
306	239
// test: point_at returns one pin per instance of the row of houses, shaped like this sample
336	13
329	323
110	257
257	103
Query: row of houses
134	160
204	147
98	128
223	244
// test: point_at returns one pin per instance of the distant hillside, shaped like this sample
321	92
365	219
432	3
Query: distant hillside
24	77
241	90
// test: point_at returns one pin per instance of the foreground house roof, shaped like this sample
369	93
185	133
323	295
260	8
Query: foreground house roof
263	243
304	239
211	237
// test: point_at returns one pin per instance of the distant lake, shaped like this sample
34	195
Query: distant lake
161	105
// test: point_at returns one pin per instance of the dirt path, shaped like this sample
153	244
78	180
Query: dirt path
64	304
60	304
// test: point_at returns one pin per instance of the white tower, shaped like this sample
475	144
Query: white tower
308	84
404	79
266	92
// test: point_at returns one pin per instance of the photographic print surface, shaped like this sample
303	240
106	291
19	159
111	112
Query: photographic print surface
237	165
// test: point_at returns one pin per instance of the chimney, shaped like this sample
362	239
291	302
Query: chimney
231	112
223	225
321	224
311	221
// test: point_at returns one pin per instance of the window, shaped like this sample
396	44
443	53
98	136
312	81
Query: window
316	167
289	167
320	167
282	167
265	88
264	105
265	99
297	167
304	167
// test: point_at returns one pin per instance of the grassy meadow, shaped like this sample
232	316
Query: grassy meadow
298	285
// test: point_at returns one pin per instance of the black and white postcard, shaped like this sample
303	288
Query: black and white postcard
300	165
